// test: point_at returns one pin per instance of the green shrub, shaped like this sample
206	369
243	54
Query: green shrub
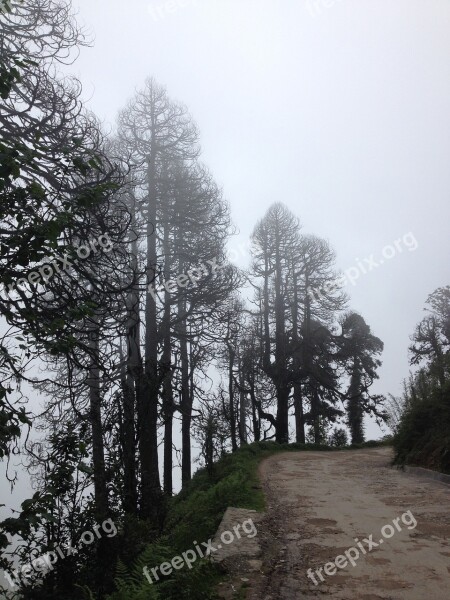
338	438
423	436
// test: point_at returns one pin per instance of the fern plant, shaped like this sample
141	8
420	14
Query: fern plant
186	584
131	583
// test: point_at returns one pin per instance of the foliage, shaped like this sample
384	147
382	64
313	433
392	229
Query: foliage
54	175
194	514
422	437
420	419
338	438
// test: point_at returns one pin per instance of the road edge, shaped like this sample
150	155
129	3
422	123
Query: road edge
425	473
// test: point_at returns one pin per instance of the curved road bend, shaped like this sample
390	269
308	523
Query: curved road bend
319	502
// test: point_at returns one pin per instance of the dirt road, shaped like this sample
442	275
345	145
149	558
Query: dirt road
318	503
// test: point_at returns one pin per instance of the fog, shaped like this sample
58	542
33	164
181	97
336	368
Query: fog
337	109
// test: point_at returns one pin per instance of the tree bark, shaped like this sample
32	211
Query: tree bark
168	400
98	450
131	382
185	402
148	409
231	406
242	408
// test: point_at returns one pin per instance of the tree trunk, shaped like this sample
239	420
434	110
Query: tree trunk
282	418
299	415
354	406
168	400
234	445
315	414
298	399
131	382
185	402
242	409
104	559
255	413
148	409
281	367
129	447
98	450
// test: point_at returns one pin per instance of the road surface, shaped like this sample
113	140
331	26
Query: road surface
321	504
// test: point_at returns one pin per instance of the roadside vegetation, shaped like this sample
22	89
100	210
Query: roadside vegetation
421	417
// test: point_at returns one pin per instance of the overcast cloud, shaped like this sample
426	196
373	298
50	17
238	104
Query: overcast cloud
338	109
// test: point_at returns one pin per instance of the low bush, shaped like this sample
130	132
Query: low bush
423	435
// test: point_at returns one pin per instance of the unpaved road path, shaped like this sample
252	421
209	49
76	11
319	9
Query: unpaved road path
318	503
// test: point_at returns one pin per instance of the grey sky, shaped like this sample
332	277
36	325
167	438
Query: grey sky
344	116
